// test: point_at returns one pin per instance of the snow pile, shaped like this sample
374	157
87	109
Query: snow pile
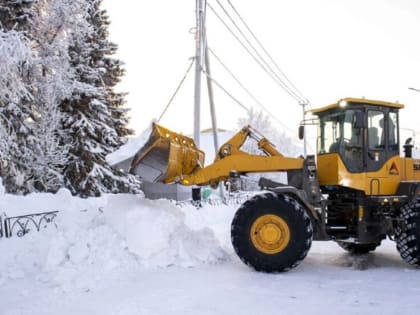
156	232
100	235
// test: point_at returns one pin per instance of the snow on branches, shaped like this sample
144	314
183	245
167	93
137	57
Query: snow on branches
15	59
59	115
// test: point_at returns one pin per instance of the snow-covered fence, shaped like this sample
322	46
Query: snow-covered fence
231	199
21	225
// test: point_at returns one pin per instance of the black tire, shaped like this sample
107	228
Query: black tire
358	249
408	234
283	208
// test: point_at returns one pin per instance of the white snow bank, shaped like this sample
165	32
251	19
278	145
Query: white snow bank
14	205
100	235
156	232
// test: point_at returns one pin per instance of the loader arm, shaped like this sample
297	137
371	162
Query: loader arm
241	163
233	146
169	157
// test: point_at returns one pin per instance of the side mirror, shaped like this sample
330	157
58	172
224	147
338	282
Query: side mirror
301	132
358	120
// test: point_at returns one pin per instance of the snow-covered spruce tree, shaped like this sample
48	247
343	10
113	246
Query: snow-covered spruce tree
15	14
113	71
15	93
51	79
94	119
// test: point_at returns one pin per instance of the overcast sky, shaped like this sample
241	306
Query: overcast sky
330	49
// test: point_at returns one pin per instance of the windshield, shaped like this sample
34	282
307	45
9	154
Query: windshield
335	129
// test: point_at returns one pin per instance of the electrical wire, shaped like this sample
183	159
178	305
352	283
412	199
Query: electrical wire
266	52
247	90
284	84
226	92
251	54
177	89
258	59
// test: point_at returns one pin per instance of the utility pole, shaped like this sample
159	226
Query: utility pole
211	100
212	110
199	52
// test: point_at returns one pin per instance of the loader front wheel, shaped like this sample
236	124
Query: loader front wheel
271	233
408	234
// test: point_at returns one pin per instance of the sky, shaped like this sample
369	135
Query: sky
329	49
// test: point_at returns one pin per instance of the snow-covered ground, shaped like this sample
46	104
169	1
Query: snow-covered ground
124	255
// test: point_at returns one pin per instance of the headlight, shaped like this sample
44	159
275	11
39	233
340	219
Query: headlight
342	103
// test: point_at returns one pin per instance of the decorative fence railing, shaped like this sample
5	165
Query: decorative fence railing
233	200
21	225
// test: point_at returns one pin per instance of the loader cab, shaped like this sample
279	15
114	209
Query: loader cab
359	134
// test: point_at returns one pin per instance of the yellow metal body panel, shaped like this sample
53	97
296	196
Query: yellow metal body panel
241	163
410	169
385	181
355	100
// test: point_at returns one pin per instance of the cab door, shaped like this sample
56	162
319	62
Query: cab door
382	145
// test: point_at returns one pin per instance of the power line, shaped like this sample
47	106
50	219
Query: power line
279	82
177	89
247	90
286	87
266	52
258	58
227	92
234	77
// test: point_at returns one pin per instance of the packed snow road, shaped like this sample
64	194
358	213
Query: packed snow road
124	255
328	281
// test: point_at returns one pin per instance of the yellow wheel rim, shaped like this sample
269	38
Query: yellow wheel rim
270	234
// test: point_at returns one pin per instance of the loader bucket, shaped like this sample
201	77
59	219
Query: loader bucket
166	157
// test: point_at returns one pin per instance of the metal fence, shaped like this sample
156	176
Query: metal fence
231	199
21	225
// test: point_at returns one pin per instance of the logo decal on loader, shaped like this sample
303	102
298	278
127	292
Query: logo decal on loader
394	169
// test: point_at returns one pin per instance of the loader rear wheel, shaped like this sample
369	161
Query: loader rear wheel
358	249
271	233
408	234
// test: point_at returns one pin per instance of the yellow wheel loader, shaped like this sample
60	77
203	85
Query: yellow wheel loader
356	191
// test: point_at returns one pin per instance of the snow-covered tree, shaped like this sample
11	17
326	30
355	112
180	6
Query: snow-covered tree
40	146
59	113
15	57
15	14
112	71
15	92
94	119
51	80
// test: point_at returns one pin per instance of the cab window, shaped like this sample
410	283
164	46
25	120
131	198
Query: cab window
376	130
393	131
